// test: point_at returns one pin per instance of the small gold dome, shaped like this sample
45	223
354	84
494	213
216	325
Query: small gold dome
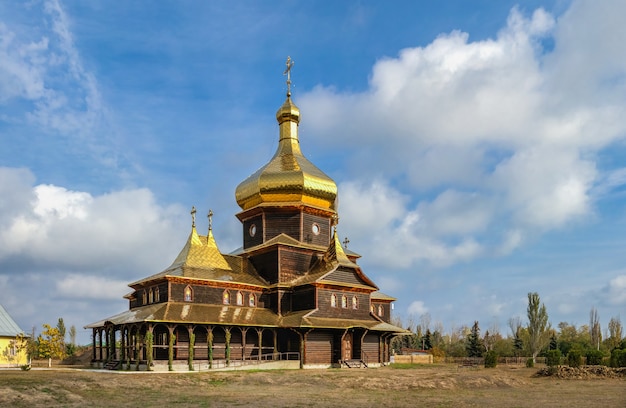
289	177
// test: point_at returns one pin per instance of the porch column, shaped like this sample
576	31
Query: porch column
209	345
93	342
275	341
100	342
243	342
259	333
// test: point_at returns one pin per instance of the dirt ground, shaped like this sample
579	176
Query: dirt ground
425	386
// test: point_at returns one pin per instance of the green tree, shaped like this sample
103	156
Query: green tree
615	333
537	325
70	348
595	331
474	344
50	343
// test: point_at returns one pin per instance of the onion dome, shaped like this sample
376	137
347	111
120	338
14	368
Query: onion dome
288	177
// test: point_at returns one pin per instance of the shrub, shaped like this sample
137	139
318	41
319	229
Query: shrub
491	359
618	358
530	363
553	358
574	358
594	357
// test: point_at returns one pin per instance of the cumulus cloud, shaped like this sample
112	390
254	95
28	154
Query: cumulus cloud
417	308
498	143
393	234
616	290
91	287
59	229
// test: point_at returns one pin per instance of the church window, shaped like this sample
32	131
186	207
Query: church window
188	294
372	309
380	310
144	297
252	300
157	297
333	300
252	230
226	298
239	298
315	228
355	302
151	296
344	301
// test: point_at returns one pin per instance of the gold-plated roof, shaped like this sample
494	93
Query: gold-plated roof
333	259
179	312
288	177
200	258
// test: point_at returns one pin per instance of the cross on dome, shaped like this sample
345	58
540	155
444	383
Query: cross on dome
287	72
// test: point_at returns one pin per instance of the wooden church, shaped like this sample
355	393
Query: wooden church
292	292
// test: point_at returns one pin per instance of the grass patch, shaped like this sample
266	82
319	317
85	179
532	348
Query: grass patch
408	366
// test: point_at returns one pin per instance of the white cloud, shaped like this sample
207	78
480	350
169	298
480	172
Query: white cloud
394	235
417	308
489	132
91	287
616	290
58	229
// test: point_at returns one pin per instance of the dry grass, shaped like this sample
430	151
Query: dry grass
425	386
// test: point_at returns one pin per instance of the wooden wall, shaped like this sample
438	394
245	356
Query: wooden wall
319	347
371	347
248	240
326	310
294	263
267	266
138	295
282	223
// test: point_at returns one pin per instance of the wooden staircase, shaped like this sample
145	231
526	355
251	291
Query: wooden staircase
112	365
354	363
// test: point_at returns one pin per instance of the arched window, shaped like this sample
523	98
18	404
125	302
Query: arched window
344	301
144	297
252	300
157	297
226	298
380	310
188	294
333	300
239	299
151	296
355	302
372	309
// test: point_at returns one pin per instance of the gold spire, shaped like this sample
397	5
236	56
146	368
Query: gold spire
289	177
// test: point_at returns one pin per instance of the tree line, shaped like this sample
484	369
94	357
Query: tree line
50	343
533	338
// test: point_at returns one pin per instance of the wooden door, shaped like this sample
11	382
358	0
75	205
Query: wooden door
347	346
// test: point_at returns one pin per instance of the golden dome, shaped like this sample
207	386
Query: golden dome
288	177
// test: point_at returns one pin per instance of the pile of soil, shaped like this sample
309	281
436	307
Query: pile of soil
582	373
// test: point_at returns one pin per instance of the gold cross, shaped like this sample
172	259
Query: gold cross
288	73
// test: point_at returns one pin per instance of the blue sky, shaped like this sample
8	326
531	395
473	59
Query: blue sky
479	146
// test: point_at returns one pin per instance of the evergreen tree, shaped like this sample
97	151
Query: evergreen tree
537	325
474	345
428	344
553	342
